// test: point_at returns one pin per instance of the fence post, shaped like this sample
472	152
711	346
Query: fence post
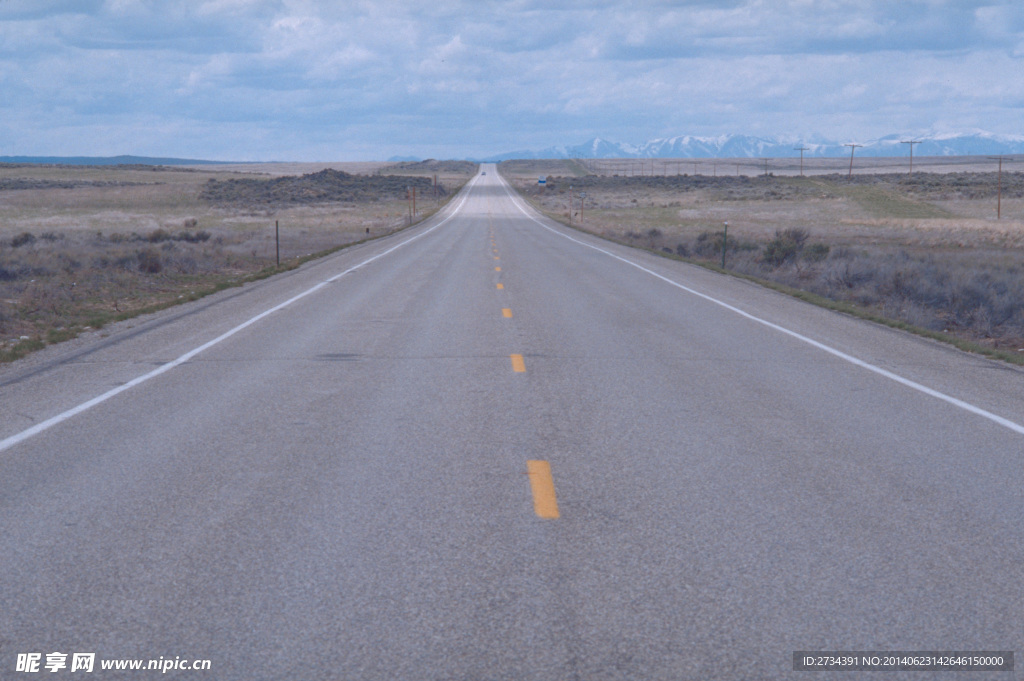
725	242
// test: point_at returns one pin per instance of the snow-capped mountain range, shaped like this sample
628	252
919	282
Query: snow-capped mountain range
744	146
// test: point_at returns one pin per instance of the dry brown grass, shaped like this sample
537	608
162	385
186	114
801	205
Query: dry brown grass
925	255
123	239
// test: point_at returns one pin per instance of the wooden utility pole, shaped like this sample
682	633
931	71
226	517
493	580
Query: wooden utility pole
801	150
911	143
998	199
853	148
765	167
999	194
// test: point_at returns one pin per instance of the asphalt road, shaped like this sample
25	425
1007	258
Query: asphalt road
327	475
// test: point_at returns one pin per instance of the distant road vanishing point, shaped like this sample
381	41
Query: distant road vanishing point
491	447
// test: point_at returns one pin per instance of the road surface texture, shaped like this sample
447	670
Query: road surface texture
490	447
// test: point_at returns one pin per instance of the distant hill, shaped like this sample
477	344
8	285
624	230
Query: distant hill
106	160
745	146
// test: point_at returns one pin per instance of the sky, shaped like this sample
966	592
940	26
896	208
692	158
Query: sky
319	80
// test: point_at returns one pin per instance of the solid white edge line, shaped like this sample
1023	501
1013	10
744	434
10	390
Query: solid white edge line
64	416
966	406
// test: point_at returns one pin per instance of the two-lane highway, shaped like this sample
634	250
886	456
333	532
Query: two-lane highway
490	447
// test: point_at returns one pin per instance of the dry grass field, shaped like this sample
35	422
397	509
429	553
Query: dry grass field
925	250
81	246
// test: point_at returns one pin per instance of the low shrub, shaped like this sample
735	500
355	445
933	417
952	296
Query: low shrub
815	253
785	247
23	239
709	244
126	262
194	237
149	261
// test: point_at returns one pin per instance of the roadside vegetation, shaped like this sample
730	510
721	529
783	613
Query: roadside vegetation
326	186
924	252
81	247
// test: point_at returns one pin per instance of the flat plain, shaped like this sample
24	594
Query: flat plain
81	246
941	249
330	473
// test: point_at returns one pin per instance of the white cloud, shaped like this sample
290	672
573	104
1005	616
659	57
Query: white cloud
475	75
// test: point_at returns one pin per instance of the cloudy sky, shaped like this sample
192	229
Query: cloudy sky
309	80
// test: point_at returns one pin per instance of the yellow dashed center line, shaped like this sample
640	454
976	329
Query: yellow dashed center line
545	504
